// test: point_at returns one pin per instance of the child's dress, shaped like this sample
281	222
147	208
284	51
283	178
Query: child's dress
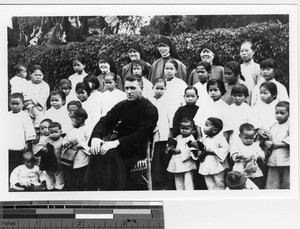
237	115
279	161
251	73
61	116
174	94
25	176
39	94
18	85
75	79
182	162
94	107
147	88
218	109
187	111
263	115
204	98
110	99
74	175
213	166
160	159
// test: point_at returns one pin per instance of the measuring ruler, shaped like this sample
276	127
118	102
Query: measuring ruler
81	214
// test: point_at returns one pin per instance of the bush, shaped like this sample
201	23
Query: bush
271	40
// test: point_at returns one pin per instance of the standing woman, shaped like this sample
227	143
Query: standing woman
135	53
106	65
208	54
167	51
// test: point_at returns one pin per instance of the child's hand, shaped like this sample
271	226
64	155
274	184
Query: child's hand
269	144
73	142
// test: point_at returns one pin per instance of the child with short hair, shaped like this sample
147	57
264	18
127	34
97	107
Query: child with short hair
74	165
65	85
78	63
263	112
175	86
58	112
238	181
160	176
250	70
72	106
21	130
95	97
54	177
27	177
37	93
245	153
18	82
187	111
83	92
217	108
239	112
279	161
140	67
111	95
181	163
233	76
203	70
213	159
268	70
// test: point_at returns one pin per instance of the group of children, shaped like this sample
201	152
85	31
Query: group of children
238	122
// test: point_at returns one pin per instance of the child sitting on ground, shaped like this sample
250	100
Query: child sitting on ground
245	154
27	177
213	159
182	163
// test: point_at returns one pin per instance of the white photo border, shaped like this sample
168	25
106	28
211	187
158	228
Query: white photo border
7	11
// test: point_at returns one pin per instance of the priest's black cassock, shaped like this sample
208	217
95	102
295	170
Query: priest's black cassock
134	122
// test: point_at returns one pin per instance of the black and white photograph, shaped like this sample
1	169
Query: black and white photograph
149	102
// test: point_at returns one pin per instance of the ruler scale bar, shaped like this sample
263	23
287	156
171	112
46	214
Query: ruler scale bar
81	214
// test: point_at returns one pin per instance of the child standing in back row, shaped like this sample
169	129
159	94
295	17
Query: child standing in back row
181	163
203	70
279	161
175	86
78	76
250	70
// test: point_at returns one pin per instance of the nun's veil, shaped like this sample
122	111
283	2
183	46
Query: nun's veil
138	48
166	41
104	56
216	60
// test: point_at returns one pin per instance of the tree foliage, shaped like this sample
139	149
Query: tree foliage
271	40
